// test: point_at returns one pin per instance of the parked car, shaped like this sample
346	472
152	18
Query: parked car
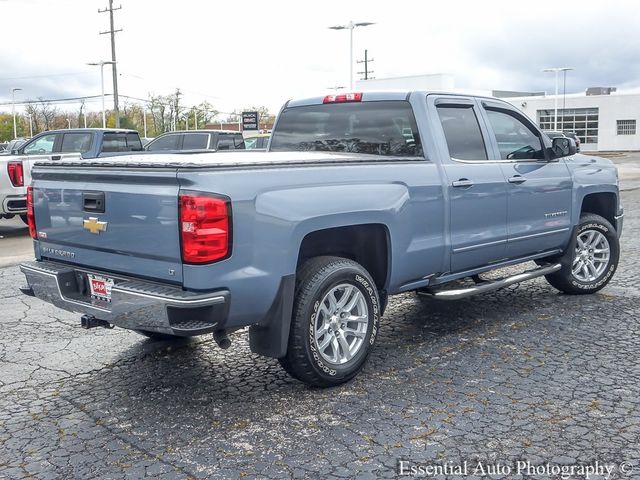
259	142
575	139
571	135
13	145
359	197
196	140
56	145
3	146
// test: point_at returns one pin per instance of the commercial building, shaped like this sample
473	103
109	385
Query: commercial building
602	118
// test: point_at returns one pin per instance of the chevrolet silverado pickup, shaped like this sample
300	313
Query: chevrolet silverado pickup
359	196
15	168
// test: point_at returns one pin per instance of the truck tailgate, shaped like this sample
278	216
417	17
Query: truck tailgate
116	220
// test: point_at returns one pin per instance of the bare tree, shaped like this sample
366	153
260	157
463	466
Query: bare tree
48	113
31	110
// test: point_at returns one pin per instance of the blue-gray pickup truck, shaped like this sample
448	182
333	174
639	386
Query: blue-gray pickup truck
359	196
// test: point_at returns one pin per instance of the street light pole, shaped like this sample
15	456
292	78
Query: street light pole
555	102
13	111
101	64
350	26
144	120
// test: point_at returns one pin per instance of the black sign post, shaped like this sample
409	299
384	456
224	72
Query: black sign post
250	121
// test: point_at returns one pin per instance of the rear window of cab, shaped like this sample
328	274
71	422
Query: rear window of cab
385	128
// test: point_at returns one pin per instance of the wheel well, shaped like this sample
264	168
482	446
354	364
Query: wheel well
366	244
603	204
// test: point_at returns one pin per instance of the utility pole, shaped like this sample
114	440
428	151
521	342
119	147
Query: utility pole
112	31
176	106
366	66
350	26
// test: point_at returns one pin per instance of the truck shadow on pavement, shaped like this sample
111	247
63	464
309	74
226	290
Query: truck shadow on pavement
185	376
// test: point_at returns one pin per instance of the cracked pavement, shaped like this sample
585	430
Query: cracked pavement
522	373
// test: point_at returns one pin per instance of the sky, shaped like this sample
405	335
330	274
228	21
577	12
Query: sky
237	54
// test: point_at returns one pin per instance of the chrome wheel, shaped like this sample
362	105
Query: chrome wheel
591	256
341	324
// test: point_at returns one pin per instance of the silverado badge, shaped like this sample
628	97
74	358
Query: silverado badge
94	225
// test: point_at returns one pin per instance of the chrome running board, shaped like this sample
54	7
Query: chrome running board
489	285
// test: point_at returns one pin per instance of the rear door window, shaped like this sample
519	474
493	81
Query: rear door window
76	142
462	132
41	146
195	141
166	142
378	128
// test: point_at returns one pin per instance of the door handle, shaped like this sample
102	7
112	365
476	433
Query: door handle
462	183
55	157
517	179
93	202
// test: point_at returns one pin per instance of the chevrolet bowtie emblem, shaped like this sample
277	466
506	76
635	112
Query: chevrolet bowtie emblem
94	226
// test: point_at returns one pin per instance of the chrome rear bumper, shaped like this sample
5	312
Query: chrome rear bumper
15	204
135	304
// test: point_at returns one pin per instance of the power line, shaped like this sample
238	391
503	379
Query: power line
112	31
56	100
44	76
74	99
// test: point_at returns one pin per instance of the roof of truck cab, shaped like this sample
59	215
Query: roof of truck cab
201	130
82	130
376	96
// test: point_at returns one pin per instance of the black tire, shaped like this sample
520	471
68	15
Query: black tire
157	335
564	279
25	219
315	279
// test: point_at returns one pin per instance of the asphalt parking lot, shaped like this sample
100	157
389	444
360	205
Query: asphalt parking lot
522	374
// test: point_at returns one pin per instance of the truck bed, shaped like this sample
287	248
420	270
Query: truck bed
230	159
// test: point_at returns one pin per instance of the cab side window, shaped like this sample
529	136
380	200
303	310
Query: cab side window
41	146
516	140
230	142
462	132
238	142
165	142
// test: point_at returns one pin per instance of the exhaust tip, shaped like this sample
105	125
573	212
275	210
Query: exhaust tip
222	339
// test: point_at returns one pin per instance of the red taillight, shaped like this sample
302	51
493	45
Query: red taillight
343	98
16	173
205	228
31	219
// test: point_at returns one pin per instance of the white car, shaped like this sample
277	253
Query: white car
15	176
13	190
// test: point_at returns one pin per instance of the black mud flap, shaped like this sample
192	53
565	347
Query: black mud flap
270	336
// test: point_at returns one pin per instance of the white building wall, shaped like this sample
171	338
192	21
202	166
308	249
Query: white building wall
438	81
617	106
